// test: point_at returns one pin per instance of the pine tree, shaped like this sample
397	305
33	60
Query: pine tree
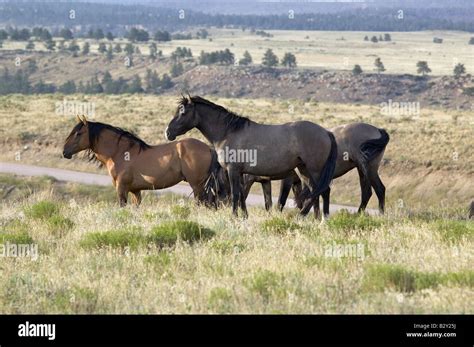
459	70
289	60
269	59
357	70
246	60
422	68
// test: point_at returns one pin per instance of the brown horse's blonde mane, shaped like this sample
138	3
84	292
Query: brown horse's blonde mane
233	121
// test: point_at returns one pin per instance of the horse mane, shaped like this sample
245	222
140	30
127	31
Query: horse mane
96	128
232	121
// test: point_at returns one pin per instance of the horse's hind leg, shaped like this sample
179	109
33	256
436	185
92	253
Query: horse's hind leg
317	212
285	187
366	190
379	188
137	198
326	198
267	194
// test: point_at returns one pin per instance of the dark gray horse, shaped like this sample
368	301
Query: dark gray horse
273	151
361	146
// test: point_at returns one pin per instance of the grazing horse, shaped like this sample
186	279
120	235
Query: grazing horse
135	166
361	146
244	146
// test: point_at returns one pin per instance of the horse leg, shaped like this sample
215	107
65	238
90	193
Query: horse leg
122	193
235	189
309	181
366	190
267	193
297	189
285	187
326	197
379	188
242	197
249	180
137	197
317	212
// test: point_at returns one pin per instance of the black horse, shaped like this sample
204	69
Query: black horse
272	151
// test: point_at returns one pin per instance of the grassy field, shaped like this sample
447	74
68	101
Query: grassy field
170	256
332	50
429	160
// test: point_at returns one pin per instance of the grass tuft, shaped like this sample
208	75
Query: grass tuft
279	225
168	233
120	238
42	210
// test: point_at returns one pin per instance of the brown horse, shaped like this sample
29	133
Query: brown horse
135	166
361	146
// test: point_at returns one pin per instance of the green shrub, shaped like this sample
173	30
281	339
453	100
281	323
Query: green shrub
180	211
265	283
160	261
454	230
345	221
227	247
220	300
168	233
381	276
42	210
120	238
59	224
19	238
279	225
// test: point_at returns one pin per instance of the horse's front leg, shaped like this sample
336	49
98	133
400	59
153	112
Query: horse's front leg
235	189
122	193
242	197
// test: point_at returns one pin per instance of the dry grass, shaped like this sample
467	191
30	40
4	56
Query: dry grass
352	264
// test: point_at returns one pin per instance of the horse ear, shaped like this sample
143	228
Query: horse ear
84	120
78	118
189	97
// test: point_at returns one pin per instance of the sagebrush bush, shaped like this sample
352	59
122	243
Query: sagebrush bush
59	224
382	276
454	230
180	211
126	237
279	225
42	210
345	221
168	233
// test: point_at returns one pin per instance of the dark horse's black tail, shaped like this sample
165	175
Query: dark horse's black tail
326	175
214	185
371	148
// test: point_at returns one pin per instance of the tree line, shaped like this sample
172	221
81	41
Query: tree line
19	82
118	16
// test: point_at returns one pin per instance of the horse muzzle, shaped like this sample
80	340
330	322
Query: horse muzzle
169	136
67	155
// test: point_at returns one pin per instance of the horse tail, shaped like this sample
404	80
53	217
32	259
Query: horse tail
371	148
211	186
327	173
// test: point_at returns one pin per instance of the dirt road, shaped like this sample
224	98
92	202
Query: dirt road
104	180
